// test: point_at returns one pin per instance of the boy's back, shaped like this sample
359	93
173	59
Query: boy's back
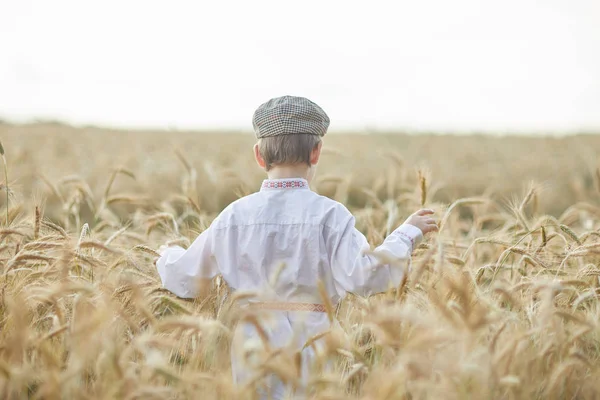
280	242
299	231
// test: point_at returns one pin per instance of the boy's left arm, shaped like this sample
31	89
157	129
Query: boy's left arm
357	269
182	270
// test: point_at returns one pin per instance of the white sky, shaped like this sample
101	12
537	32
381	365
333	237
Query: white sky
451	65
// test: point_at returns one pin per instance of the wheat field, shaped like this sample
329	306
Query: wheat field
502	303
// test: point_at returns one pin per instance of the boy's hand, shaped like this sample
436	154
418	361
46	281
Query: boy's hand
422	220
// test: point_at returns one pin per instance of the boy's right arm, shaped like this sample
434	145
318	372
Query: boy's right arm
182	270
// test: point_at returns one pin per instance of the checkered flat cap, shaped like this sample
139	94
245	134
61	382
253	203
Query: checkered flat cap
288	115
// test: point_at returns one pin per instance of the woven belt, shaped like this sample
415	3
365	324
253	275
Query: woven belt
282	306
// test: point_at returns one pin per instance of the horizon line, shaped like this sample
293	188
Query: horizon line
21	122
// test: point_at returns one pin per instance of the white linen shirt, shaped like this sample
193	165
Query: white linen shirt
286	223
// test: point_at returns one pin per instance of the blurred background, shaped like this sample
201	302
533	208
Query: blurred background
484	97
467	65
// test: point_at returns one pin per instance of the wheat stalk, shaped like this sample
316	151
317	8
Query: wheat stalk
5	178
423	187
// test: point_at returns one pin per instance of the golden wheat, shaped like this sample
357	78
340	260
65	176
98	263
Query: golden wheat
502	303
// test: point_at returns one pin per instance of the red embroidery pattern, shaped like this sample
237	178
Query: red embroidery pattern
284	184
412	241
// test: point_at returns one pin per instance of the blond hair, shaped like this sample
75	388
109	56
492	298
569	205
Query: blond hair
287	149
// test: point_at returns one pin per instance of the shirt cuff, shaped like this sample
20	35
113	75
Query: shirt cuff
164	249
167	254
410	232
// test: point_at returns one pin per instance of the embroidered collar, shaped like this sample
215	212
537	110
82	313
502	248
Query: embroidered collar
295	183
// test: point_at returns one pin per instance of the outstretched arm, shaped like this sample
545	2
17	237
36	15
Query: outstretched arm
356	270
182	270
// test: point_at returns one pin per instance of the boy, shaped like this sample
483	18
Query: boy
285	222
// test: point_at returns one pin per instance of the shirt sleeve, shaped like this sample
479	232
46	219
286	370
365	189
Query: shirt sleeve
357	270
182	270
